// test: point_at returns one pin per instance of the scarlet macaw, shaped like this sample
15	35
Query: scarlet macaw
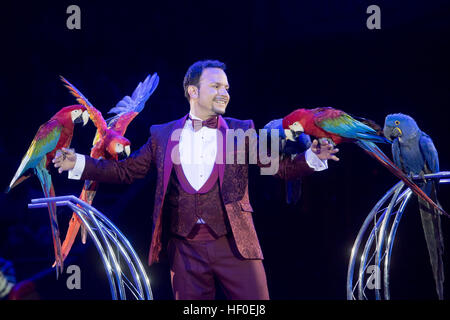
109	142
338	126
51	136
414	152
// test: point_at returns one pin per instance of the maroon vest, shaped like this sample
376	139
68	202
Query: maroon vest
185	205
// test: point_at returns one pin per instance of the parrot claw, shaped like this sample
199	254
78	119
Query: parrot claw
59	268
422	176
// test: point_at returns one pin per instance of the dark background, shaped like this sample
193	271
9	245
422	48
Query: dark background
280	56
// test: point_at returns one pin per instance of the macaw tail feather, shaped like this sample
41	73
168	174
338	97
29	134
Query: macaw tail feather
431	224
87	195
372	124
18	181
375	152
47	187
293	191
72	231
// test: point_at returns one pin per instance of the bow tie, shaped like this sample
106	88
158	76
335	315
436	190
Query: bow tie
198	124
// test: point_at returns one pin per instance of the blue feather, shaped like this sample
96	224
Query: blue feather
139	97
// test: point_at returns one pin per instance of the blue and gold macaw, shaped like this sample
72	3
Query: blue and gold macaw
289	148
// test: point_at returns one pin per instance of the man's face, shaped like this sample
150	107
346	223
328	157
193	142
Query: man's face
213	94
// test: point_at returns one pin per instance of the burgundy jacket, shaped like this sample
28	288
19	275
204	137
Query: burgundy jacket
233	179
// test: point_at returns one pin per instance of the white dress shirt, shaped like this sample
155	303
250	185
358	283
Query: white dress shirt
198	150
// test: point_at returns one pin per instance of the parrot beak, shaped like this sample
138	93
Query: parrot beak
294	131
82	118
85	117
122	155
391	133
395	133
289	134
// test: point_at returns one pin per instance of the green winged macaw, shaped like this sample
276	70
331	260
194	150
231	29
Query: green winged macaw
109	142
337	126
414	153
52	136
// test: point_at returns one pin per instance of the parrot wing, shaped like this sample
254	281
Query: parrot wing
44	142
139	97
429	152
94	114
276	124
137	100
396	155
342	124
97	138
120	124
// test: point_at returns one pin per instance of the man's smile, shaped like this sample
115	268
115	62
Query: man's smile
221	100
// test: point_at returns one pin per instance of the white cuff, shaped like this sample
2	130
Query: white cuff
314	162
78	169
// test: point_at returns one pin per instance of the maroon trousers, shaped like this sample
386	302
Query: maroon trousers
199	259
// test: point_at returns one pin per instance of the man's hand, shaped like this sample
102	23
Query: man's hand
64	159
324	150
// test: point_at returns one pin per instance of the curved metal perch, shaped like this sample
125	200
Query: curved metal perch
378	248
106	238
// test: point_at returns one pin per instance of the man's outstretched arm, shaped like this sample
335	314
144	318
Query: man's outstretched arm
291	167
313	159
107	171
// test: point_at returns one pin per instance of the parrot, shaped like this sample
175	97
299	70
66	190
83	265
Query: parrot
109	142
51	136
290	148
337	126
413	152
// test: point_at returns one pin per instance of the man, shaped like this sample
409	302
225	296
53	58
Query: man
202	214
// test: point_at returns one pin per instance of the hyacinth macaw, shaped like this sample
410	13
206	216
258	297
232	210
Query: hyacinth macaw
337	126
53	135
414	153
109	142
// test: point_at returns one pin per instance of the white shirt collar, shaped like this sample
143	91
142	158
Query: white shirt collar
193	116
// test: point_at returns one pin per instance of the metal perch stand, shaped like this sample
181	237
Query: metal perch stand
112	246
378	231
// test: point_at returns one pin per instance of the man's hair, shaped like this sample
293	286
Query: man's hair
193	74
